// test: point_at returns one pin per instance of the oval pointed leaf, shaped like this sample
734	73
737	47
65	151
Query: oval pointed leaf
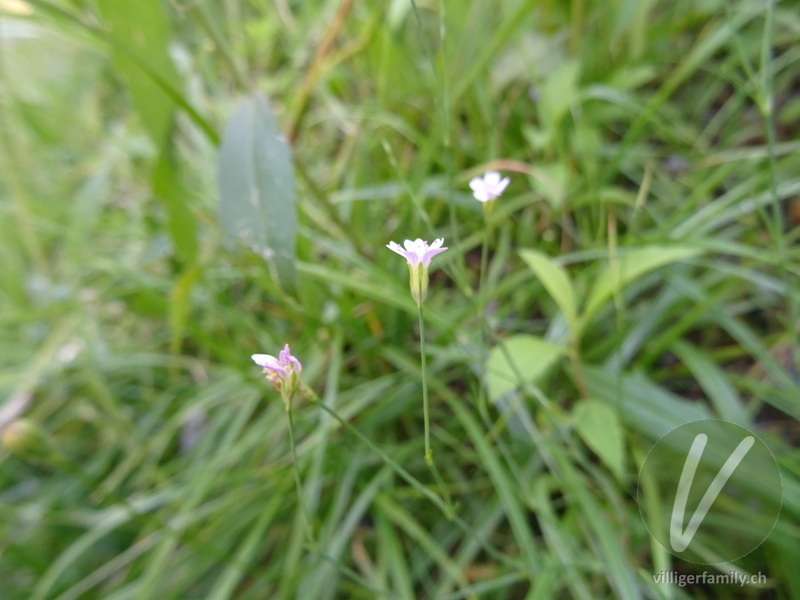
519	360
598	425
555	280
256	187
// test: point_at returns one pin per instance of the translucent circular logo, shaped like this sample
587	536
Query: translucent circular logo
710	491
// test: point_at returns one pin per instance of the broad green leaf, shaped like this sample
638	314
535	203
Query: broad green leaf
256	187
529	356
598	425
632	266
139	35
555	280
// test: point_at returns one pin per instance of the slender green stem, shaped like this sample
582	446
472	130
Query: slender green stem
484	265
426	416
297	483
483	404
423	366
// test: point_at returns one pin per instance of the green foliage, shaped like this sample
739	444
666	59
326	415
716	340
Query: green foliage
185	184
518	360
598	424
256	187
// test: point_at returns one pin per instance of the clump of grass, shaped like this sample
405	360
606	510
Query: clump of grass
640	273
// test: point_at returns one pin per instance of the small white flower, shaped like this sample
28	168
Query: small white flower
282	372
284	365
418	251
488	187
418	254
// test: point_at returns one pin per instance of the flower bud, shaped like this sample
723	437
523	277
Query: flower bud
283	372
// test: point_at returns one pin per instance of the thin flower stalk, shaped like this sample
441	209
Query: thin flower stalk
486	190
283	372
419	253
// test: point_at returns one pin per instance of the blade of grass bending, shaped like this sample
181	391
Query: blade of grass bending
416	484
777	223
236	571
501	479
555	535
154	571
416	532
317	584
390	545
726	400
617	564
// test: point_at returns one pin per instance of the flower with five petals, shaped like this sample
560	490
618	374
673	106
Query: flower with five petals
488	187
418	254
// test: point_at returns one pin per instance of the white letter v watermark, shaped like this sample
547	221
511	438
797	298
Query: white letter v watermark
679	538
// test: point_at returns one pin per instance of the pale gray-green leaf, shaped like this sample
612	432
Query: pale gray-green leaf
256	187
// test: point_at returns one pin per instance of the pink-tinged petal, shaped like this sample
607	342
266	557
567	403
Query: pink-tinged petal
297	366
264	360
285	354
411	252
287	361
270	363
394	247
418	251
426	260
502	185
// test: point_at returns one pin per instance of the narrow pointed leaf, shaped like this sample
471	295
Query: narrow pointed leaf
632	266
139	35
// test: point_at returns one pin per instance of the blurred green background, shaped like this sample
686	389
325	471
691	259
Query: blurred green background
186	182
